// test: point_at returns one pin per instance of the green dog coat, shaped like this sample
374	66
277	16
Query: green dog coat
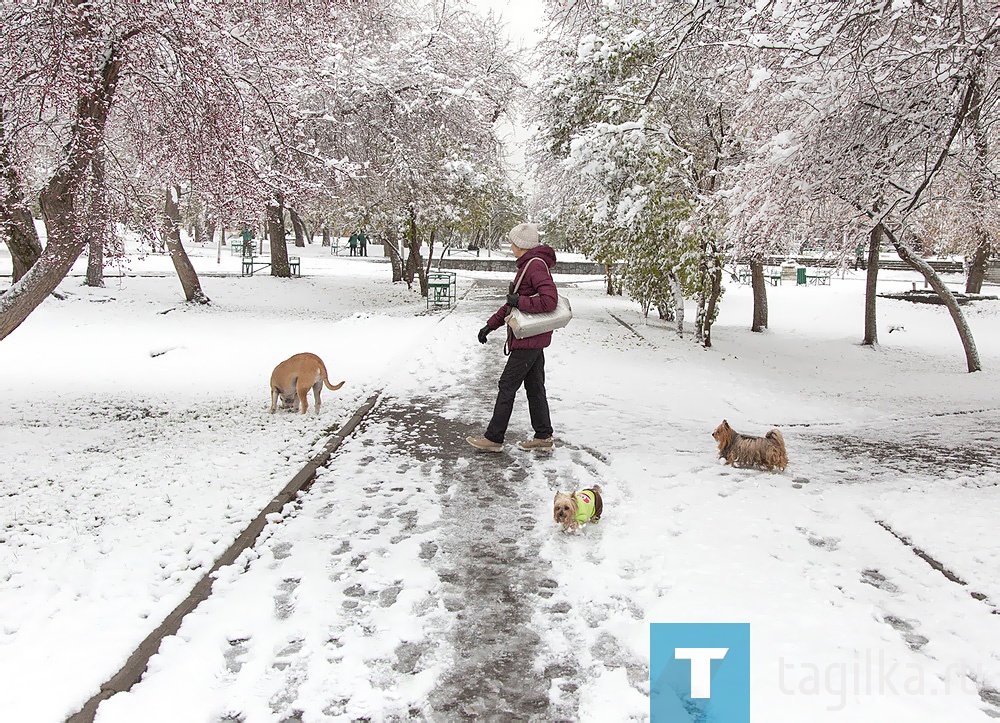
586	503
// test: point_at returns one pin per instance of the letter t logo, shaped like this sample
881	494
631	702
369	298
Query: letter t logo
701	667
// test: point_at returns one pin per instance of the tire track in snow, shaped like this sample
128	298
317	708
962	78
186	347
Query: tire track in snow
907	592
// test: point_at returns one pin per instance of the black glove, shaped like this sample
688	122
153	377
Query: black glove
482	334
513	300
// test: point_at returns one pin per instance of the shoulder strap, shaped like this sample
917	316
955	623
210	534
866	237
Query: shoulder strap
525	270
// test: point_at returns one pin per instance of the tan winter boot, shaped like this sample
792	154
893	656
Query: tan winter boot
544	445
484	444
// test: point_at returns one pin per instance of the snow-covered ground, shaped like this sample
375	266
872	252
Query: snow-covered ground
136	445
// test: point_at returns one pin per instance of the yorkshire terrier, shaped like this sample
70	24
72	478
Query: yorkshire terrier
740	450
570	510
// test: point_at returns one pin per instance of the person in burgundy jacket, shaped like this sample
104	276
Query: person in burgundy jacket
526	363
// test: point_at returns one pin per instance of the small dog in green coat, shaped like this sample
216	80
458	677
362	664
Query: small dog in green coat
570	510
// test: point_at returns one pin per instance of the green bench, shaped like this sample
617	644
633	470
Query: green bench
817	278
251	265
469	251
442	288
771	276
236	248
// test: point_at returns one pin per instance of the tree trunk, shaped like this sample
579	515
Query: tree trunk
98	223
979	182
22	240
699	317
871	286
299	227
969	344
199	231
759	288
59	198
201	235
182	264
713	299
414	262
710	291
95	264
391	246
978	265
678	294
326	236
276	234
156	244
425	272
15	218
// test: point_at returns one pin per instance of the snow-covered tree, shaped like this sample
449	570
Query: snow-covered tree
634	132
417	123
864	114
313	106
160	82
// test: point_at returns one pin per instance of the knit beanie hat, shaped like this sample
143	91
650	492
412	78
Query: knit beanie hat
524	235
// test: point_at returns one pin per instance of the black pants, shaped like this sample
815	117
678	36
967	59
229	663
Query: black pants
524	366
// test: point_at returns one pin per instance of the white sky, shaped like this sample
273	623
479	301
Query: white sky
523	19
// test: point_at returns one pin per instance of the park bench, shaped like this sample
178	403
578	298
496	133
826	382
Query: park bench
819	278
251	265
459	251
441	288
771	276
236	248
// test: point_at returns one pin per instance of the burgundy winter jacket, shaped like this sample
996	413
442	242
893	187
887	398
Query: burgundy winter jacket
536	293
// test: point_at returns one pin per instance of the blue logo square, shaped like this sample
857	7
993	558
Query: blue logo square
699	673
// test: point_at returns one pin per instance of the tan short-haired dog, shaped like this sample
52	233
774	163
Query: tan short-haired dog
292	379
742	450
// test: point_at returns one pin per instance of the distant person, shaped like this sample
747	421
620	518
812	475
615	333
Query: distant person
352	242
247	237
362	244
526	363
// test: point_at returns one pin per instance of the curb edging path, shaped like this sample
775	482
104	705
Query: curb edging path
134	668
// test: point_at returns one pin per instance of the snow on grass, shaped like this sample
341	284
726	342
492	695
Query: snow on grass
137	445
